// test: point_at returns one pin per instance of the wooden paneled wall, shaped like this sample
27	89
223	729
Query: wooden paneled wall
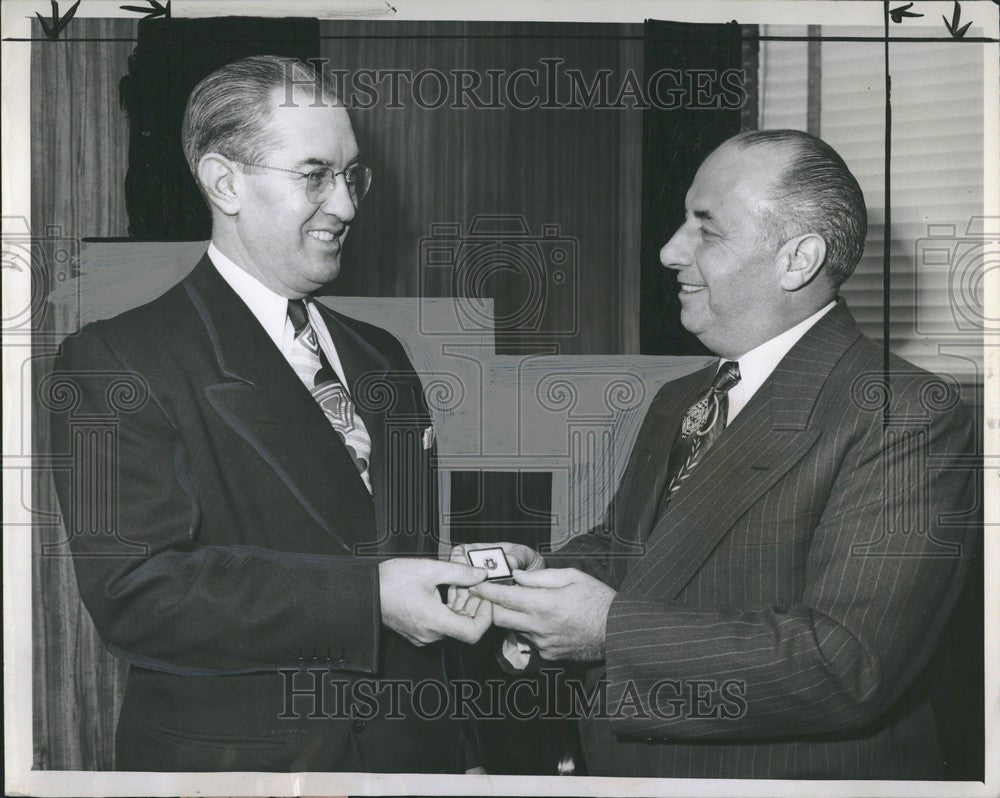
578	170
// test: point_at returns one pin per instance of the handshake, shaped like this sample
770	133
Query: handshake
562	612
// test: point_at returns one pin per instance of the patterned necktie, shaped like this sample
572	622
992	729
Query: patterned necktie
310	363
703	424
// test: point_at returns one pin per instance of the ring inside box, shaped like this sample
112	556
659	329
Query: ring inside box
493	561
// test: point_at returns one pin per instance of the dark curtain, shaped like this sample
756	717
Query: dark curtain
674	143
170	59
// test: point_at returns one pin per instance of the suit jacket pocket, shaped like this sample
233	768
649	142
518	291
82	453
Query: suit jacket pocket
176	750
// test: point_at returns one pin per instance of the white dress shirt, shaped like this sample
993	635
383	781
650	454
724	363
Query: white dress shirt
757	364
271	310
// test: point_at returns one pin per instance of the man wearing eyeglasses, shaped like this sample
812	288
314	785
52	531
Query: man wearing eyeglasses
267	594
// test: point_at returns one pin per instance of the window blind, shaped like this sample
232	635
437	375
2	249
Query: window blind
936	190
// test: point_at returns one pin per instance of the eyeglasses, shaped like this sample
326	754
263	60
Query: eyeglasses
320	182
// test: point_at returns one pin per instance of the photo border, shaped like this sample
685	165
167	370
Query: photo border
21	779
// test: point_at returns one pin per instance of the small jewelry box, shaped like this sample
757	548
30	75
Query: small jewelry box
494	562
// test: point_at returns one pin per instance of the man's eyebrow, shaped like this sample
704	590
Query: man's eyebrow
705	216
319	162
313	162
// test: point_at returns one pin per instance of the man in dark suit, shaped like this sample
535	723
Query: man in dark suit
800	511
274	564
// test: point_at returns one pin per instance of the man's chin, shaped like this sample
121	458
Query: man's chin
327	270
691	322
701	329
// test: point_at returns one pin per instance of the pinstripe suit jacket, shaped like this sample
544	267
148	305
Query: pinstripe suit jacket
774	620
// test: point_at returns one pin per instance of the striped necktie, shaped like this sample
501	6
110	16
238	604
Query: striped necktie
702	425
310	363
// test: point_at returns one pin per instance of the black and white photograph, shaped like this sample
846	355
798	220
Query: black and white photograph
405	397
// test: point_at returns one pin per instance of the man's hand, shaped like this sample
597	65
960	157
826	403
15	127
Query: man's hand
522	557
563	612
412	606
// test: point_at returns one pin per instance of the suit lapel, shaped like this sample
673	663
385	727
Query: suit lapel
389	398
645	477
769	436
263	401
366	372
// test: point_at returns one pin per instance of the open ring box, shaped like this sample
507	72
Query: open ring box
494	562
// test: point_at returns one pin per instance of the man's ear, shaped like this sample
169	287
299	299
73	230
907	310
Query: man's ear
217	176
800	260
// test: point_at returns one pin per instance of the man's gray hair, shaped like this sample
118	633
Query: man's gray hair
229	112
816	193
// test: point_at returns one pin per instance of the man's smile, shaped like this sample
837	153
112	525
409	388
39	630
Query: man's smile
327	238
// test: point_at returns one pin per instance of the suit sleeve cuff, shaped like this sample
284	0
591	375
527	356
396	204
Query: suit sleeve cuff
353	642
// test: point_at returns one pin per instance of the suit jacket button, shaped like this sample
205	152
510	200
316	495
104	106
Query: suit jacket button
358	725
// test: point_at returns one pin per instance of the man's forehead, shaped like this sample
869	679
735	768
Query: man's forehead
304	101
733	176
304	147
308	123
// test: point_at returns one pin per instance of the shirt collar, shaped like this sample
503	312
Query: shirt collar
757	364
269	308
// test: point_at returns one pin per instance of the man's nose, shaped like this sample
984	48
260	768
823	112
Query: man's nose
676	253
340	203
